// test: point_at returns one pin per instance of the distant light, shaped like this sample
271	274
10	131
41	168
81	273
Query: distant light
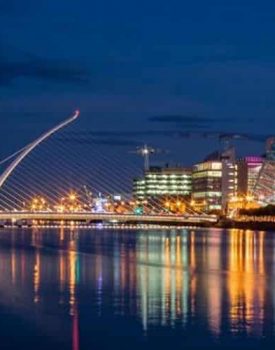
138	211
72	197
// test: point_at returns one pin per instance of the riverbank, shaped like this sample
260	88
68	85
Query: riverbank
246	225
221	223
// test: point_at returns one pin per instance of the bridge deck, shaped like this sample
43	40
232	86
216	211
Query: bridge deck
111	217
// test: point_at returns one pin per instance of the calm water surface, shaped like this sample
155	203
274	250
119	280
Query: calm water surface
107	289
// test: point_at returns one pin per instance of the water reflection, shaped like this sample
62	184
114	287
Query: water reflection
218	282
163	278
246	281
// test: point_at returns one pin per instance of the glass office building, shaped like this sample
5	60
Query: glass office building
161	182
265	185
207	186
248	173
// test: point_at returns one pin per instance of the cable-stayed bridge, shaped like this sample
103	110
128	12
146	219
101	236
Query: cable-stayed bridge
108	217
71	175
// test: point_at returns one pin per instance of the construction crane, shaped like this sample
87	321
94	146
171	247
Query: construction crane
145	151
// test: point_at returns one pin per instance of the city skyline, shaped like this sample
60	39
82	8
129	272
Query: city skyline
137	174
85	181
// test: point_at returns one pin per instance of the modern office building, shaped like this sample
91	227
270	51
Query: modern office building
214	181
265	184
229	176
248	172
207	186
163	181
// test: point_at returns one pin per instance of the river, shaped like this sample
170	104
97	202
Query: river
133	289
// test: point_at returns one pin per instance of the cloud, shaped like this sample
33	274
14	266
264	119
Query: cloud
14	65
185	119
136	138
108	141
121	134
190	122
194	122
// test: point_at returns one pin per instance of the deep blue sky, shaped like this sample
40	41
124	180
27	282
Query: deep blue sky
200	65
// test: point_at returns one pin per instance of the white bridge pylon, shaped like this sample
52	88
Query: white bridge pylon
26	150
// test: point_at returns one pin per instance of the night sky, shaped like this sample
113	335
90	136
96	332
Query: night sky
139	71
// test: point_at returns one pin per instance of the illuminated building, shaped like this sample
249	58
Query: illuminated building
214	181
207	186
265	185
99	204
229	176
160	182
248	172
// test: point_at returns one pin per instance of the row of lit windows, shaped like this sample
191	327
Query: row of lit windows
167	192
179	189
207	194
208	166
174	190
215	207
181	185
137	184
163	184
208	173
168	182
164	176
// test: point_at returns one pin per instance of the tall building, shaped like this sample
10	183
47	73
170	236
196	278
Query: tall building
229	176
207	186
265	184
214	181
248	172
160	182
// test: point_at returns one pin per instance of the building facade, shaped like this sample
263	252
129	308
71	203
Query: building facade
207	186
229	176
248	173
161	182
215	181
265	184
